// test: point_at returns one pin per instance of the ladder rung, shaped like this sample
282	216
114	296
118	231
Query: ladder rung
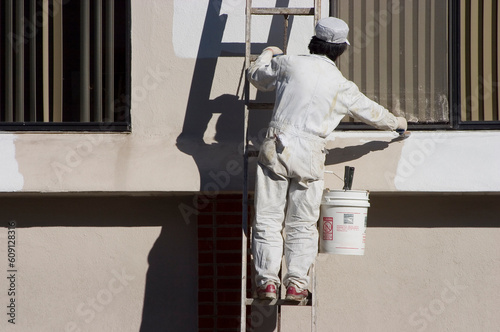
282	11
260	106
305	302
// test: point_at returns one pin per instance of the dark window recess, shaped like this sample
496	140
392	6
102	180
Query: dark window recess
65	65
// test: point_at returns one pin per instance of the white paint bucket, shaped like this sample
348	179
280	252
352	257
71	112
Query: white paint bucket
342	223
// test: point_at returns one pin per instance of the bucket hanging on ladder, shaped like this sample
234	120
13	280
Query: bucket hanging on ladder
342	223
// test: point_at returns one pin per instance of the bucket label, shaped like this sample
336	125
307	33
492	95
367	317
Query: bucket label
348	218
344	228
328	228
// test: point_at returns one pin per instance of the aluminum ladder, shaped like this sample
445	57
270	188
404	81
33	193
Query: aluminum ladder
247	153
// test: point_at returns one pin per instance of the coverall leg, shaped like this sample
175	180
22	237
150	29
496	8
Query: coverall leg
301	233
267	241
288	179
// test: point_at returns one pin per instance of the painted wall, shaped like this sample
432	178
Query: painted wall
106	263
187	120
430	264
92	263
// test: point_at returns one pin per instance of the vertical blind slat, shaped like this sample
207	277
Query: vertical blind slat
474	59
383	72
350	15
369	54
45	59
377	60
409	39
488	61
97	61
18	45
440	59
465	59
9	61
357	26
32	64
84	61
109	61
396	56
497	50
422	64
57	63
480	67
430	69
2	92
389	54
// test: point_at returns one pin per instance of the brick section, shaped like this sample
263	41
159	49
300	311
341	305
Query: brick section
219	263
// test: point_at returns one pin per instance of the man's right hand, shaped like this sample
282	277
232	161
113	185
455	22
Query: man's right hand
402	124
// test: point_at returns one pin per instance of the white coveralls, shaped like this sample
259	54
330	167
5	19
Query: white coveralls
312	97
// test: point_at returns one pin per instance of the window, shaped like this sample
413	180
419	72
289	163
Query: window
65	65
434	62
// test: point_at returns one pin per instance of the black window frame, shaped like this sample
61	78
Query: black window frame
95	127
454	85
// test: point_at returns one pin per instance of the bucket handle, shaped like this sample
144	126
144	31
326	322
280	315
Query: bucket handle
348	177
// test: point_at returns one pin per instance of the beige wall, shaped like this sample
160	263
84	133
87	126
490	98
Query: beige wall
105	263
431	264
187	121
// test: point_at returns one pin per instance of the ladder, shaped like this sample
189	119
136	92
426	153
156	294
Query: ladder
247	153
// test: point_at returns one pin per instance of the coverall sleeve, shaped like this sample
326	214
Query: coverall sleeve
263	72
366	110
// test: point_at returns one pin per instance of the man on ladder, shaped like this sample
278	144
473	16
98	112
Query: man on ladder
312	97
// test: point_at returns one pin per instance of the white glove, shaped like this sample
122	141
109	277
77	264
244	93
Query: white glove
274	49
402	124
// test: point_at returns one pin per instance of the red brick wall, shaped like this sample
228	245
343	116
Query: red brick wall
219	262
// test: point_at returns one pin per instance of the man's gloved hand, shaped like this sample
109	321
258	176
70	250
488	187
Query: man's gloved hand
402	124
274	49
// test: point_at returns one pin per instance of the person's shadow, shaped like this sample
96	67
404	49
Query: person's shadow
349	153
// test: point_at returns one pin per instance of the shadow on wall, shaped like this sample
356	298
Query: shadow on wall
200	108
170	297
349	153
228	108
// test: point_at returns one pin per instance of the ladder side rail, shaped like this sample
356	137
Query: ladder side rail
244	221
317	11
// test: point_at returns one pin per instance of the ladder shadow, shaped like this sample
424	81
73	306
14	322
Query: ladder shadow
228	109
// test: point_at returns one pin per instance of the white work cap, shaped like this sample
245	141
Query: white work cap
332	30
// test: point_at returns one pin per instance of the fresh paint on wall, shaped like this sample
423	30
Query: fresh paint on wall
10	178
208	29
445	161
